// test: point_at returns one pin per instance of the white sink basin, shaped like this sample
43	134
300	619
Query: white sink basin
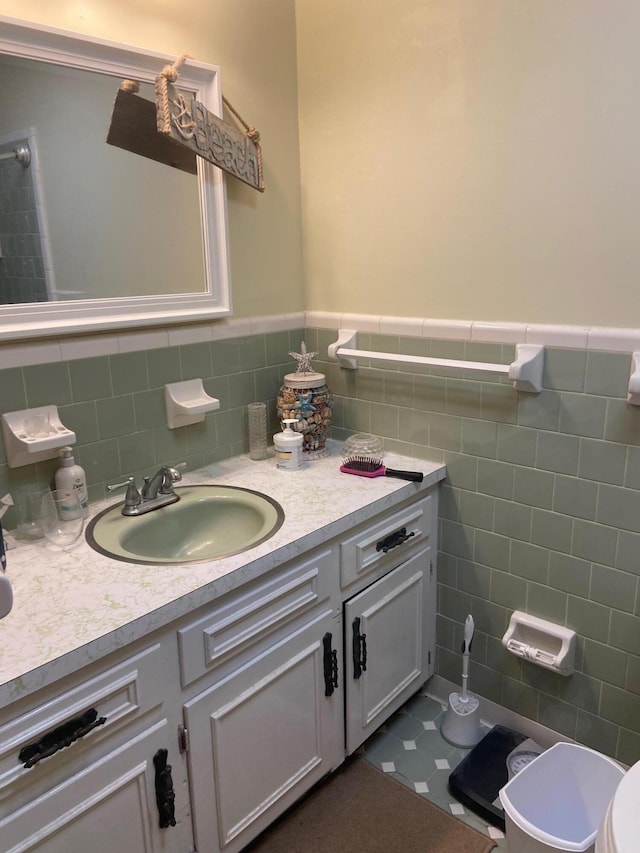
207	523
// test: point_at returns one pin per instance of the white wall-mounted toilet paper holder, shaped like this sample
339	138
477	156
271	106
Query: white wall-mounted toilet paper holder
544	643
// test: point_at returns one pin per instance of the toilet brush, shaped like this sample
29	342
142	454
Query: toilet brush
461	723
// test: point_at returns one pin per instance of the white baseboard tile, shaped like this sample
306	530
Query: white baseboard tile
499	333
323	320
453	330
22	353
572	337
411	327
88	346
270	323
360	322
138	340
295	320
618	340
194	333
224	330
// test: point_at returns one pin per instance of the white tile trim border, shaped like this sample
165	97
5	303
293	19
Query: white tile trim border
22	353
572	337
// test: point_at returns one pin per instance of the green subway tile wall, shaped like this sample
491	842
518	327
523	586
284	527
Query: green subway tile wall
540	512
115	405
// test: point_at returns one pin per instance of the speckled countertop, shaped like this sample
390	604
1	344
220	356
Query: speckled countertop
74	607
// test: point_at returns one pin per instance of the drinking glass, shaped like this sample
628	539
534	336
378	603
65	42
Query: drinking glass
257	413
61	517
37	426
28	511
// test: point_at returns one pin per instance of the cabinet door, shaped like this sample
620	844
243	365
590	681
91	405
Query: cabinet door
388	640
263	736
108	806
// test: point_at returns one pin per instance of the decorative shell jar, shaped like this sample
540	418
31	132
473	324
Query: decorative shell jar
305	396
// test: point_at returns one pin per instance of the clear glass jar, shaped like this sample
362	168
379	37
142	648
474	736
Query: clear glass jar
307	398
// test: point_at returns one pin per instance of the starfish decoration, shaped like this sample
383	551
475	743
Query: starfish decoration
304	359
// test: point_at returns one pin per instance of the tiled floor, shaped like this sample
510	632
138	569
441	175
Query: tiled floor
411	749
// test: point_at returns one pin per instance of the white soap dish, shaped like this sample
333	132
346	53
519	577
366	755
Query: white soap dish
541	642
33	435
187	402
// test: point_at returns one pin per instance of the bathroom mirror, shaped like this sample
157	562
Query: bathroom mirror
96	237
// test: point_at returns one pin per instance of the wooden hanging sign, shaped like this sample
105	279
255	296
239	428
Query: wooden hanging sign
133	127
189	123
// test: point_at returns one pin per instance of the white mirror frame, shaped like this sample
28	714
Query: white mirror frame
61	47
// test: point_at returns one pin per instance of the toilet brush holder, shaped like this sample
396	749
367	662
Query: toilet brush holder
461	723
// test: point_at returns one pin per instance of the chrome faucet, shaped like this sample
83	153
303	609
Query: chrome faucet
161	483
157	491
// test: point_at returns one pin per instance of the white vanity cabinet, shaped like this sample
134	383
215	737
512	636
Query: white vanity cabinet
389	623
388	651
256	695
271	721
262	737
268	724
106	806
96	790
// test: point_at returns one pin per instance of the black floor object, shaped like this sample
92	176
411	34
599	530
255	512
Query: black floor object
476	781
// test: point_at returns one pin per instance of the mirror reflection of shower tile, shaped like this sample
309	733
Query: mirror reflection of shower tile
23	273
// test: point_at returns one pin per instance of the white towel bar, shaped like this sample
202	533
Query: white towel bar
525	371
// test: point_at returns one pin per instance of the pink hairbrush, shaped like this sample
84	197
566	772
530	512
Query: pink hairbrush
365	466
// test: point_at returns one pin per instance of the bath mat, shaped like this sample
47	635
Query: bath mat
360	808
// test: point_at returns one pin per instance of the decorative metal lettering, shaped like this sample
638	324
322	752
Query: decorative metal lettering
208	136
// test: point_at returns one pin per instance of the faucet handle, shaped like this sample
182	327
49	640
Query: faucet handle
133	497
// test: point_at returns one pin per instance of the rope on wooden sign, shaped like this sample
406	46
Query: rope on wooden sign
130	86
169	74
253	135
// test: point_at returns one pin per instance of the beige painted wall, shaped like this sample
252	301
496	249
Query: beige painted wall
253	42
472	159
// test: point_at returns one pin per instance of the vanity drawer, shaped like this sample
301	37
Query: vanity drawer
125	695
379	547
256	612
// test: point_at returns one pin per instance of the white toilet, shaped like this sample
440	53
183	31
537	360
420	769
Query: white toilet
620	829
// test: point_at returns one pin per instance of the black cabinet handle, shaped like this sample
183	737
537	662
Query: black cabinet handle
330	665
359	649
165	796
393	540
60	737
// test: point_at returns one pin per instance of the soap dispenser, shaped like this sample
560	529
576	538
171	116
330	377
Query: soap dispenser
71	478
288	446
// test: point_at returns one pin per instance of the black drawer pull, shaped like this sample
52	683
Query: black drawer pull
62	736
393	540
165	796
